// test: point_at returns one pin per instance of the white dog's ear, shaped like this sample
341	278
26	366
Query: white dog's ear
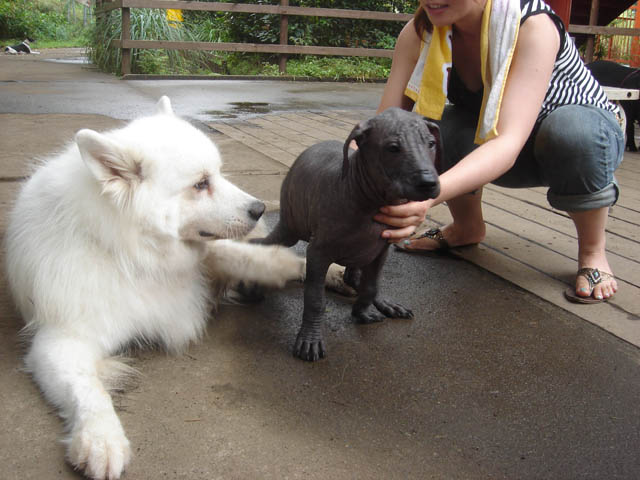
163	107
109	164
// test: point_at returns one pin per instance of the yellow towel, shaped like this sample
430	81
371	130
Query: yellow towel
435	75
499	32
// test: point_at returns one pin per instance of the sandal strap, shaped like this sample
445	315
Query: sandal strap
594	276
435	234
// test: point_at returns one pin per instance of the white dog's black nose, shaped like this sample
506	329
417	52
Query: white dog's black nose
256	209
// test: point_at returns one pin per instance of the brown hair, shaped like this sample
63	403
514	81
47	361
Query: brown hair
421	22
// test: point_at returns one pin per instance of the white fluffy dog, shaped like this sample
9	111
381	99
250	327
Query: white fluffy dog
115	242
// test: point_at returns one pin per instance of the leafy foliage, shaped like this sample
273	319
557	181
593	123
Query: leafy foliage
334	32
20	19
341	67
146	24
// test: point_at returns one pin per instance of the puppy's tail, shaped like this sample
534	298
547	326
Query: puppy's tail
117	375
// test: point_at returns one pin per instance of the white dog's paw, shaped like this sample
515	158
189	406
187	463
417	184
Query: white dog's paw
99	447
335	281
284	266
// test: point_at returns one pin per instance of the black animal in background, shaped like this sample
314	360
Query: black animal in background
20	48
329	198
612	74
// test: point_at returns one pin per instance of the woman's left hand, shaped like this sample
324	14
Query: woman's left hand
405	218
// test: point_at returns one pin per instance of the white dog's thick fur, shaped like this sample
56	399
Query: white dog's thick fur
115	242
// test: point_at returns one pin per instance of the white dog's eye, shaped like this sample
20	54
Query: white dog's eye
202	184
432	143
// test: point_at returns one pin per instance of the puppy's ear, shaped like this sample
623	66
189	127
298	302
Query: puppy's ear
163	107
358	134
116	170
434	129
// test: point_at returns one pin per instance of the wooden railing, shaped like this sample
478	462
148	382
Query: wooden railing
126	43
284	10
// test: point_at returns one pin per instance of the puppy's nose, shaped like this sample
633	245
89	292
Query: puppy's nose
256	209
427	182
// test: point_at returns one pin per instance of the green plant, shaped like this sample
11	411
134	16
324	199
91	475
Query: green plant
146	24
260	28
38	20
360	68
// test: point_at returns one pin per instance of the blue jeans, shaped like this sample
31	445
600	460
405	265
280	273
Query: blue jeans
574	151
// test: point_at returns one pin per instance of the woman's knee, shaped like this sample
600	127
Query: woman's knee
578	149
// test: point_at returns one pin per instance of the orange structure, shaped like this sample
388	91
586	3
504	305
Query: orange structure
562	8
635	41
621	48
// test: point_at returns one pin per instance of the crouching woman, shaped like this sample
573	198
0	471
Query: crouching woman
522	111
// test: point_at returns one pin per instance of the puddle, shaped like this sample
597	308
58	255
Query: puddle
251	107
219	114
241	109
75	60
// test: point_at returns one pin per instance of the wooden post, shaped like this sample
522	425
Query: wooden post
593	20
126	35
284	37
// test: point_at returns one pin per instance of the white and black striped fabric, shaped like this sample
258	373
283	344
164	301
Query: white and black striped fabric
571	82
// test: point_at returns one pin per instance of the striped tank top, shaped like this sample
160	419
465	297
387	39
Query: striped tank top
571	82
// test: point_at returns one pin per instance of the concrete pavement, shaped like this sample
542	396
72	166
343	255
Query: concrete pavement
488	381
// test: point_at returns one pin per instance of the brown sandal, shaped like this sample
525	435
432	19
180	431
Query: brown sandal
594	277
433	234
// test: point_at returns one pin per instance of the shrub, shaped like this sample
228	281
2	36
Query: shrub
31	19
334	32
146	24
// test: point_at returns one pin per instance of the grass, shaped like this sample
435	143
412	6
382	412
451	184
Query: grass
359	68
46	43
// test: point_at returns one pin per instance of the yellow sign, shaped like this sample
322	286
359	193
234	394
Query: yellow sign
174	17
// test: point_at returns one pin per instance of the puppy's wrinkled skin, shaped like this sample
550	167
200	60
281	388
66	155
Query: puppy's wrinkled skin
329	198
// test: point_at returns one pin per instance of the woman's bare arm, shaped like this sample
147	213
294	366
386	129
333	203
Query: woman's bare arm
405	57
527	83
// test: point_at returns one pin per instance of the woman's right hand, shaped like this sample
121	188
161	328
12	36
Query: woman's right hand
403	218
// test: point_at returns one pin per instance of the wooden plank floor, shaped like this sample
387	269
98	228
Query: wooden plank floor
528	242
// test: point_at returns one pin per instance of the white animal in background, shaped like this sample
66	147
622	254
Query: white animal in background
125	238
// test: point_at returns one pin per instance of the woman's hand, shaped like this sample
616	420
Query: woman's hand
405	218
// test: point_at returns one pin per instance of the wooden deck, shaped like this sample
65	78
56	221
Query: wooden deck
528	242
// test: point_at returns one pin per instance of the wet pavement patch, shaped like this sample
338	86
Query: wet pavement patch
78	60
220	114
251	107
242	109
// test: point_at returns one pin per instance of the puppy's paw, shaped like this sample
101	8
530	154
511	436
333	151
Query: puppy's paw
99	447
309	347
335	281
284	266
392	310
367	314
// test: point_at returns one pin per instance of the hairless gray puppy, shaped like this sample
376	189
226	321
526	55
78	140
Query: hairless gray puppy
329	198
